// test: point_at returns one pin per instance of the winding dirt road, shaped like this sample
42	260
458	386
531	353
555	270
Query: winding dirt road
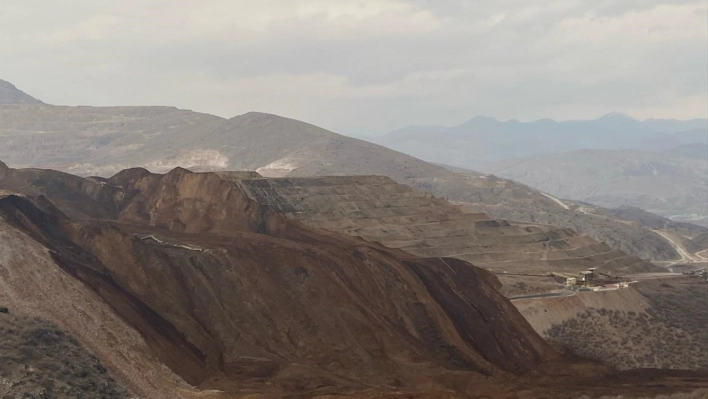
685	255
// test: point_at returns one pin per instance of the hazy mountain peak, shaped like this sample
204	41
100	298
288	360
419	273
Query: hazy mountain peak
255	115
9	94
480	118
616	116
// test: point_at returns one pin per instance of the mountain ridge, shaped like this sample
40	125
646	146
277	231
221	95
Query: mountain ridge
9	94
104	140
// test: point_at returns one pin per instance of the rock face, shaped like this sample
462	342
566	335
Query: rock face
9	94
229	294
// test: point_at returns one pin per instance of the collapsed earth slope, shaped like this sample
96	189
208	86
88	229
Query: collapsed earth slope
184	287
230	295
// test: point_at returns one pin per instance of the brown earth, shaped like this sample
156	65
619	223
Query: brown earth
303	310
230	299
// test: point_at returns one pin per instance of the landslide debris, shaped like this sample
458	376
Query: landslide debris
232	296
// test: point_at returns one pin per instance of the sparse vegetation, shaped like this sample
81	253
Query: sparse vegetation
40	361
697	394
671	334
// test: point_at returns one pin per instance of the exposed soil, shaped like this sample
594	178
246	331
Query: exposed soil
208	294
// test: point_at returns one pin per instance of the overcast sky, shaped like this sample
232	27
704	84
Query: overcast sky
365	66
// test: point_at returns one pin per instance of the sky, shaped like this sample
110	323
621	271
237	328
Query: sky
365	67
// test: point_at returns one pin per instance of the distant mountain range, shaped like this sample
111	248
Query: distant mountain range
666	183
657	164
483	139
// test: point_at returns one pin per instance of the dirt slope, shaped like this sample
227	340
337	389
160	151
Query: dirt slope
185	288
267	299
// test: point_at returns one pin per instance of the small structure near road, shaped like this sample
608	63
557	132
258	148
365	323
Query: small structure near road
155	240
586	277
151	238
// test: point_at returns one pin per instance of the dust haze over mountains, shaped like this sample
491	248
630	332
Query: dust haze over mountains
658	164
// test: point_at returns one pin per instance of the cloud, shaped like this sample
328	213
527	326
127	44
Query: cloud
365	65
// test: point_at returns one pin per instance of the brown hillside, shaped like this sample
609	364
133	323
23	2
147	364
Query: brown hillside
186	288
267	299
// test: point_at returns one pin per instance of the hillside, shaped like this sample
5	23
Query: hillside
506	199
658	165
246	296
670	186
654	324
380	210
103	141
9	94
42	361
252	304
695	150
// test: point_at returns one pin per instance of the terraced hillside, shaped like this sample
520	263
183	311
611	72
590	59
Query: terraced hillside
378	209
100	141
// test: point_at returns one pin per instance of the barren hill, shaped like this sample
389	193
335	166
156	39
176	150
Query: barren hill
230	295
658	165
186	288
670	185
378	209
9	94
102	141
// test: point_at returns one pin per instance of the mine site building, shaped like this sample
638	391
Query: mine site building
586	277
